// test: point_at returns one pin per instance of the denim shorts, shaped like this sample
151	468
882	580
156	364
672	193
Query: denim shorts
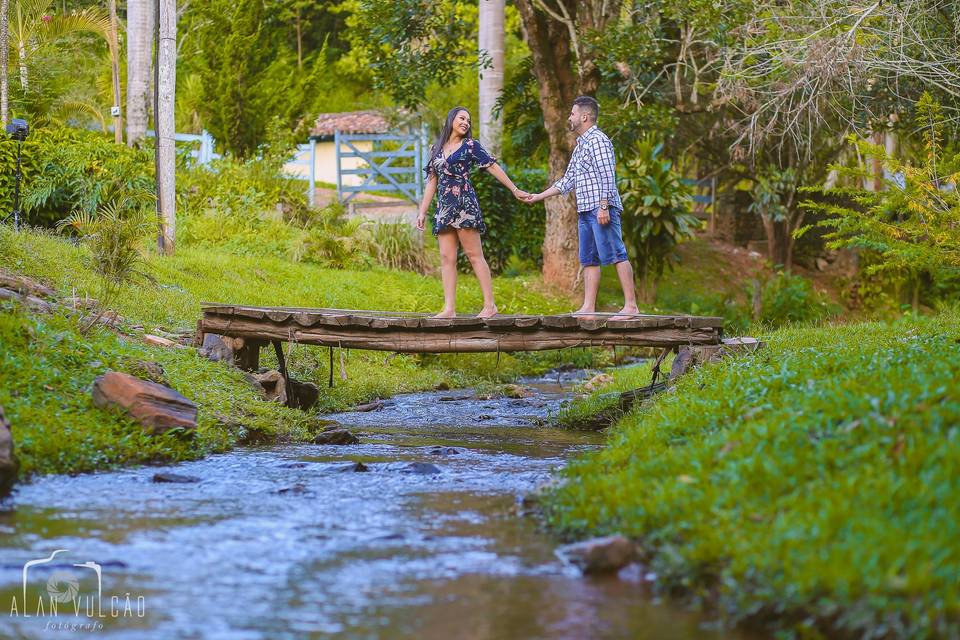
600	244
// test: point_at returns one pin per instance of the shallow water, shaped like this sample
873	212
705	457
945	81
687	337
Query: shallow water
290	542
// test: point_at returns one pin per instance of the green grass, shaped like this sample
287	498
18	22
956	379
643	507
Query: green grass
48	365
598	408
814	486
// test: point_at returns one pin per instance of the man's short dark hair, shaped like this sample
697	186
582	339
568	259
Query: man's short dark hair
590	104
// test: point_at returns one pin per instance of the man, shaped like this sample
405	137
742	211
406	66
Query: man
591	173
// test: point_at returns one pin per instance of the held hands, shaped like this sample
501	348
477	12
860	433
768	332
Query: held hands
520	194
533	197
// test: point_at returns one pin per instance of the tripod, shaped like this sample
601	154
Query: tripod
16	193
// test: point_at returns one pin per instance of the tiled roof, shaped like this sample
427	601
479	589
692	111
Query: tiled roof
350	122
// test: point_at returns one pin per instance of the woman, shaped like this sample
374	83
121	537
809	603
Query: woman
458	221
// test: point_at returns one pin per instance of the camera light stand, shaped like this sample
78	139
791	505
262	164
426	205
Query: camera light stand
16	192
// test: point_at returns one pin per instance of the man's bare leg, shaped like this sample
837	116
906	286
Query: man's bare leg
591	285
448	272
625	274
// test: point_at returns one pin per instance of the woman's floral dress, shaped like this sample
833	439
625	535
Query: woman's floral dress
457	205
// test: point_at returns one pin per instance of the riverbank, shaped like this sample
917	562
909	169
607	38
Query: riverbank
47	364
810	488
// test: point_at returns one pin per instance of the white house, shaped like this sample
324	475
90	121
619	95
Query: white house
322	134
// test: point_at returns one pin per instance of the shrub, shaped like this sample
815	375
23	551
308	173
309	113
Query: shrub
657	210
115	236
787	298
397	245
333	240
67	170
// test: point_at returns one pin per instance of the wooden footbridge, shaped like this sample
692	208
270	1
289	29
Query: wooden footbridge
420	333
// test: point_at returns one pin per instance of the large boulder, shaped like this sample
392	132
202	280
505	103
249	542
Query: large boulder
217	348
8	461
599	555
156	407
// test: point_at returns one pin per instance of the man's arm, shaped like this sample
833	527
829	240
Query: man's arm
562	186
605	163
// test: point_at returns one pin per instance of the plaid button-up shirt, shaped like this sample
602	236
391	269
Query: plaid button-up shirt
592	172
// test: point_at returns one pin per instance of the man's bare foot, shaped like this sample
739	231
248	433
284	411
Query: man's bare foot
445	314
627	313
488	312
584	312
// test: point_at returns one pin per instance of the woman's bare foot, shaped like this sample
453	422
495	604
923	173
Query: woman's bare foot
586	313
627	313
445	314
488	312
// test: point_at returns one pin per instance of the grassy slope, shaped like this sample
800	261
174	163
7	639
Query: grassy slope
818	477
47	366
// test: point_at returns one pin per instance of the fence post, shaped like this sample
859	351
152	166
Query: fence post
312	196
336	145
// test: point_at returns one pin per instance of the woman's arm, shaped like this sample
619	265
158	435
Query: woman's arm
497	172
428	193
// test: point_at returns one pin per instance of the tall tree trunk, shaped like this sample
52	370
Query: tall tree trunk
555	45
4	61
549	45
491	78
22	63
140	27
115	71
166	83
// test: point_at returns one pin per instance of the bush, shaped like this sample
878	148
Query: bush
787	298
67	170
397	245
332	240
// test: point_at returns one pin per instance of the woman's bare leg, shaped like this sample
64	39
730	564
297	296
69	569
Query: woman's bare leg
470	241
448	272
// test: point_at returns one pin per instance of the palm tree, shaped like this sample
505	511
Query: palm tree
165	119
32	27
4	60
491	78
140	27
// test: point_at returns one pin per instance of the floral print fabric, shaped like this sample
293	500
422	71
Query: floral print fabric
457	205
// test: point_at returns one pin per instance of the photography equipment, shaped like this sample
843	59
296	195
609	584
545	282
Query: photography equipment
18	130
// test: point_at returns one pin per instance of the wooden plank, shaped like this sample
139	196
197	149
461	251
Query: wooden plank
511	321
278	316
560	322
459	322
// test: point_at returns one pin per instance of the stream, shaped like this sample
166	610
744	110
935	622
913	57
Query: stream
293	541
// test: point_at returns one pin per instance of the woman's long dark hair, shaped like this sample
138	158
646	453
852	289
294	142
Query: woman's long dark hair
447	130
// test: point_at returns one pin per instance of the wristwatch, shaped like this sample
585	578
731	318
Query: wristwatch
604	206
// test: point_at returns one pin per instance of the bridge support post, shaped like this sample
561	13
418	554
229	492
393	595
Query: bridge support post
247	355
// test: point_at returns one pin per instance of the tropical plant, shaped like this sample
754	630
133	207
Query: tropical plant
335	241
114	234
657	211
397	245
913	224
33	26
67	169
